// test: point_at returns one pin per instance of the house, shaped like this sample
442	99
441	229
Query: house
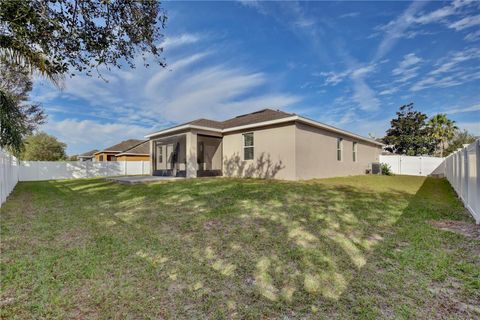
267	143
111	153
87	156
140	152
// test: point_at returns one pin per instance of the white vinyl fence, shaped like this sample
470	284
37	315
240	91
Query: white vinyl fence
8	174
463	172
51	170
414	166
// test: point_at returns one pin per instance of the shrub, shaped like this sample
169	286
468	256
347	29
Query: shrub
386	170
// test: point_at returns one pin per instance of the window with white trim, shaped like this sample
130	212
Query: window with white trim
248	146
354	151
339	149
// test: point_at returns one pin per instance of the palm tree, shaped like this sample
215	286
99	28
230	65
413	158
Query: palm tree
442	130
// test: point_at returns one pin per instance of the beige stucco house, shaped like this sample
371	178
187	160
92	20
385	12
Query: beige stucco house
267	144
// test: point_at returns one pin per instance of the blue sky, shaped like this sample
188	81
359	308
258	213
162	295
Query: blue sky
347	64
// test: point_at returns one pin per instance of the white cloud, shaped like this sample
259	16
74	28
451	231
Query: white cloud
455	59
449	71
388	91
350	15
407	68
135	99
411	18
395	29
84	135
465	23
332	78
473	36
472	127
465	109
180	40
364	95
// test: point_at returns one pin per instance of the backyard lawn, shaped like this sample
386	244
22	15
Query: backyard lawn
356	247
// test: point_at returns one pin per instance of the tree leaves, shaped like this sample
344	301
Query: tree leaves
58	37
409	133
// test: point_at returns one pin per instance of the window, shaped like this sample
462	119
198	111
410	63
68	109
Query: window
100	158
248	146
160	154
339	149
354	151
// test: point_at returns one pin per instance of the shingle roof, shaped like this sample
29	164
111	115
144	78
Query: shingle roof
207	123
122	146
141	149
255	117
260	117
88	153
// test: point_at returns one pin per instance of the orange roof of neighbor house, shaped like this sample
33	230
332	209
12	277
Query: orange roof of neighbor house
143	149
122	146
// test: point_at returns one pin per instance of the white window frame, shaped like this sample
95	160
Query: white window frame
245	146
354	151
340	149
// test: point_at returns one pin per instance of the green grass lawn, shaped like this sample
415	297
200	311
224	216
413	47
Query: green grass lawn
356	247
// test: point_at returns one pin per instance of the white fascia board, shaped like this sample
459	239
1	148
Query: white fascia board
186	126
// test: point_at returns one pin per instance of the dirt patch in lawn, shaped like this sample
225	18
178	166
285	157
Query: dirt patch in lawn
467	229
447	301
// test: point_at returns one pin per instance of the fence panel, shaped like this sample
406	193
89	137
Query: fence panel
53	170
415	166
463	173
8	175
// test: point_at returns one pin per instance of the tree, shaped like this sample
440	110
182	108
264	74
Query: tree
409	133
56	38
18	117
59	37
73	158
460	138
43	147
442	130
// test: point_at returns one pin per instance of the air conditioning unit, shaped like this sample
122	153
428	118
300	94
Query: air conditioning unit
376	168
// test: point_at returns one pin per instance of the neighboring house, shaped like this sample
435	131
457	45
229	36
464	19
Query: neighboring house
87	156
140	152
110	153
266	143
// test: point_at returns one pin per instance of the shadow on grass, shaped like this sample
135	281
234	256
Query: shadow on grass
255	247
